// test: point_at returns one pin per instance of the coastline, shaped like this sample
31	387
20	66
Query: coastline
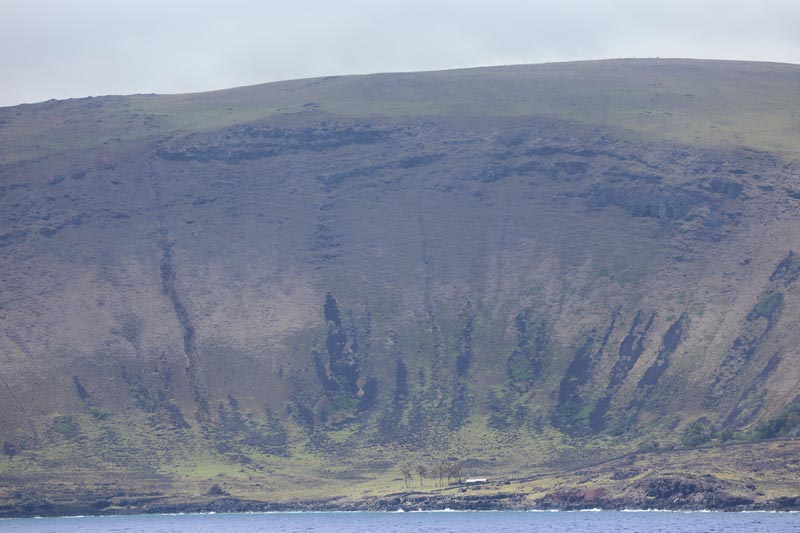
565	501
729	478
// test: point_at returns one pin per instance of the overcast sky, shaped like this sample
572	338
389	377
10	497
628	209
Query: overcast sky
73	48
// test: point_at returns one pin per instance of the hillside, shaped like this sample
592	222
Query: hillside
291	290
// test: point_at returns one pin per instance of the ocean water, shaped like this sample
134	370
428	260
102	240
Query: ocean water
438	522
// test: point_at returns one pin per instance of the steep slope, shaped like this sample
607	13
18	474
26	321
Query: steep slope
520	268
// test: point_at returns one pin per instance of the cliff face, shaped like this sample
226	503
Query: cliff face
517	267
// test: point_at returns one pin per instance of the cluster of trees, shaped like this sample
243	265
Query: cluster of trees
785	424
698	433
702	431
438	473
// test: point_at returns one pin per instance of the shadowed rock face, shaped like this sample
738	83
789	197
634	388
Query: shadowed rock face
323	266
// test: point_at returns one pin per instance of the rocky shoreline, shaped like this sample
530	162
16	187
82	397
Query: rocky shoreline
662	494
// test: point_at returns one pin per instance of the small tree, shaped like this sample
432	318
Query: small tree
422	471
9	449
439	471
456	472
698	433
216	490
408	474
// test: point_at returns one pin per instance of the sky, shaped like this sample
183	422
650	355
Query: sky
75	48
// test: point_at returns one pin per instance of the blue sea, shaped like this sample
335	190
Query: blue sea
439	522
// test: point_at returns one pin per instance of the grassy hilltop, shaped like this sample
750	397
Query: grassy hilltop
290	291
